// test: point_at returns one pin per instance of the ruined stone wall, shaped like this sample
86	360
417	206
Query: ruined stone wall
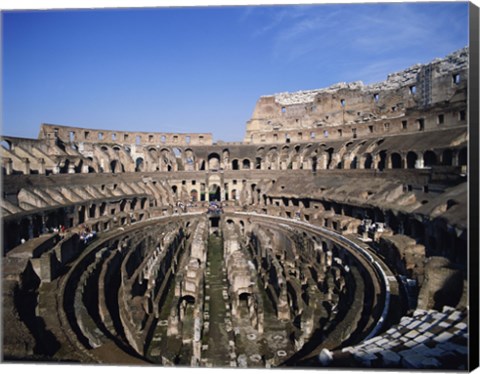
408	101
403	169
444	146
69	134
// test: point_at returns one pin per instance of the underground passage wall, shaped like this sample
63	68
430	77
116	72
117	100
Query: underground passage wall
151	291
309	244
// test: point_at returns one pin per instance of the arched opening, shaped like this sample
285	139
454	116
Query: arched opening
411	160
123	203
79	167
330	154
225	190
187	304
396	161
92	210
429	158
234	195
189	157
194	196
246	164
353	164
64	168
116	166
368	161
383	158
202	192
243	300
188	299
462	157
447	157
258	163
165	161
81	215
153	153
235	165
7	145
214	193
177	152
91	169
213	161
139	164
226	156
242	228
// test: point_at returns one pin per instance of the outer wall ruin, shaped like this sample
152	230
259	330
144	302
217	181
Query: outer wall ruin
335	234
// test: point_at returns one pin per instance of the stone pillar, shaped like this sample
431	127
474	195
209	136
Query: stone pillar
361	162
52	139
419	163
71	168
44	227
42	166
455	158
30	228
8	165
388	161
75	215
283	310
86	214
26	166
322	162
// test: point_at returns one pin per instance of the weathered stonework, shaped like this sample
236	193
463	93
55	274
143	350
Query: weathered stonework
343	213
407	101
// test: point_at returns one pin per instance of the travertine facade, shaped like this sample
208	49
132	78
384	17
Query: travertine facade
409	101
339	221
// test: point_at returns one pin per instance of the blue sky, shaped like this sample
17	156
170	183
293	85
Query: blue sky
203	69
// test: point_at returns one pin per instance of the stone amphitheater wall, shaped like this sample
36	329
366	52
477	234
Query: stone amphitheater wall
337	226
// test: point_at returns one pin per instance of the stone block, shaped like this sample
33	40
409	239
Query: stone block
443	337
390	358
420	339
413	360
412	334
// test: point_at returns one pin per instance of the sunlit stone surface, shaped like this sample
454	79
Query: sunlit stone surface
334	234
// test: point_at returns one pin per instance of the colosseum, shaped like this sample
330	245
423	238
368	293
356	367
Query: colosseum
334	235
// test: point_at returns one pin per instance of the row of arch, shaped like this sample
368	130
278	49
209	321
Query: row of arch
116	159
381	160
